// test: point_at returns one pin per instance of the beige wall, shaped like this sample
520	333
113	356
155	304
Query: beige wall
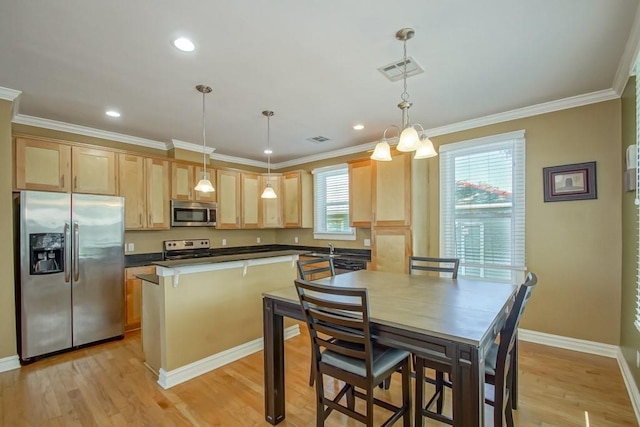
574	247
629	335
8	346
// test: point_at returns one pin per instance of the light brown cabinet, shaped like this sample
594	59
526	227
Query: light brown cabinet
250	196
133	296
228	199
360	193
271	209
51	166
185	177
391	192
42	165
145	188
391	249
93	170
297	196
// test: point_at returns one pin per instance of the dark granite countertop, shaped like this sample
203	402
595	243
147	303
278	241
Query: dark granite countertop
152	278
227	258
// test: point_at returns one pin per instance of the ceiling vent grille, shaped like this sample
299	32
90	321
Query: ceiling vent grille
318	139
394	70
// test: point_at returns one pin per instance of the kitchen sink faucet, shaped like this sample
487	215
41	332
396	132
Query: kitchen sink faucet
330	248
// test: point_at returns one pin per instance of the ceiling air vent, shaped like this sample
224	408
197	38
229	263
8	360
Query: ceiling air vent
318	139
394	70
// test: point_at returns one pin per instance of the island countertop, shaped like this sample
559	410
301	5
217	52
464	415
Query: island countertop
226	258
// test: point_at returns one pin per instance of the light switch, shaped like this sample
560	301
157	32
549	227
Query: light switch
130	247
367	242
224	242
295	239
257	240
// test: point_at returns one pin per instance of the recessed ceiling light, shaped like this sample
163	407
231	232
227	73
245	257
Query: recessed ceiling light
184	44
112	113
358	127
268	151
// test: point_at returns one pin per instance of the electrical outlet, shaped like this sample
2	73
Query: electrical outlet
257	240
224	242
367	242
295	239
131	247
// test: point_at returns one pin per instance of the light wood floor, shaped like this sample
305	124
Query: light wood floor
107	385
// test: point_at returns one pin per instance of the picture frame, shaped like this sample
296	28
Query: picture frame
570	182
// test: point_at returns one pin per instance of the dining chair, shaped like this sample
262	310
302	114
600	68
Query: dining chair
338	322
441	265
314	269
498	374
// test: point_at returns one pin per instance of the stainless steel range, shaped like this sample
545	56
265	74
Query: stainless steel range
186	249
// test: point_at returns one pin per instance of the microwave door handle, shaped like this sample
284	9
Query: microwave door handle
208	215
67	252
76	251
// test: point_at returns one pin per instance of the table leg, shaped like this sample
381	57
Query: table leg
514	374
467	377
273	363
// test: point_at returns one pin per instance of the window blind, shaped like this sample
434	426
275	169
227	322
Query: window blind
482	203
331	203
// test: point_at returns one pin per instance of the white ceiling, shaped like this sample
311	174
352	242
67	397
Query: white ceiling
314	63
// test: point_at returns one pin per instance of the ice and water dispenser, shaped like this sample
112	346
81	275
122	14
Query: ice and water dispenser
46	253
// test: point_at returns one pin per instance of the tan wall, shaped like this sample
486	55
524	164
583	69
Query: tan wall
629	335
305	238
8	345
574	247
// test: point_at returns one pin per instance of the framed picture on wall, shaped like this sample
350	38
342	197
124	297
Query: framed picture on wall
570	182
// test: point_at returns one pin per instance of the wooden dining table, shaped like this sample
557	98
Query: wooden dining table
448	321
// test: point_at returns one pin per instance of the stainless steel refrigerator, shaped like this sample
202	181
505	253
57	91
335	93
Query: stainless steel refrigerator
70	288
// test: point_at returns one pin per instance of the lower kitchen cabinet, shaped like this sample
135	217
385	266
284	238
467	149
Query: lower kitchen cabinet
133	296
391	249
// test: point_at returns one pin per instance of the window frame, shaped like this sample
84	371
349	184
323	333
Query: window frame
324	234
448	240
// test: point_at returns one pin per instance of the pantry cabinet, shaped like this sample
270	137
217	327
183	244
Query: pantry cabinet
391	192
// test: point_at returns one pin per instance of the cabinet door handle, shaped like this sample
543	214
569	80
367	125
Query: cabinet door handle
62	182
150	223
140	220
75	182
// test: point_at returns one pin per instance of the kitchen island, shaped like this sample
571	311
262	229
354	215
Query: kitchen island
206	312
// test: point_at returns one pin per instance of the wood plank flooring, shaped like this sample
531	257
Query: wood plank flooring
107	385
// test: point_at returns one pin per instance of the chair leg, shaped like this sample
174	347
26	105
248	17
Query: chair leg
406	393
319	402
440	391
351	398
369	412
312	370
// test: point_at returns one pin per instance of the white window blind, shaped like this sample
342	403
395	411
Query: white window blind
482	202
331	203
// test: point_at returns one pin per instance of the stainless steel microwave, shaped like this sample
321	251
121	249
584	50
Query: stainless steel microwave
193	214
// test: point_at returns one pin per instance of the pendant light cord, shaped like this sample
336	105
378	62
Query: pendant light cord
269	149
204	138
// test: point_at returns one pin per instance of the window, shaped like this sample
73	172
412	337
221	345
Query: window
482	206
331	203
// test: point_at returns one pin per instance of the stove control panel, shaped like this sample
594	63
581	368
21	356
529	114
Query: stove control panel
181	245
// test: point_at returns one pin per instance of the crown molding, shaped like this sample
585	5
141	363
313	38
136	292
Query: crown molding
626	67
329	155
9	94
240	161
521	113
87	131
189	146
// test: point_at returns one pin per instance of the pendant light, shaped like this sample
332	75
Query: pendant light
268	192
204	185
410	139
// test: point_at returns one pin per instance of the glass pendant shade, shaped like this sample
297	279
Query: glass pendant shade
409	139
425	149
382	151
268	193
204	185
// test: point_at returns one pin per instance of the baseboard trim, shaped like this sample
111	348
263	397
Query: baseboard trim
9	363
590	347
168	379
567	343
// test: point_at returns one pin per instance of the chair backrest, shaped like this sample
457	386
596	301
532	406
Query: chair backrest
315	268
509	331
338	320
440	265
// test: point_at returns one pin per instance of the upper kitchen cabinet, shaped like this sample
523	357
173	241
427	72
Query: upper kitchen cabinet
271	209
185	176
391	192
228	199
93	170
360	193
52	166
42	165
250	194
297	199
144	184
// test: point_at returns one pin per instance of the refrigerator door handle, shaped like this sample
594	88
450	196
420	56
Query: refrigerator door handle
67	252
76	250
